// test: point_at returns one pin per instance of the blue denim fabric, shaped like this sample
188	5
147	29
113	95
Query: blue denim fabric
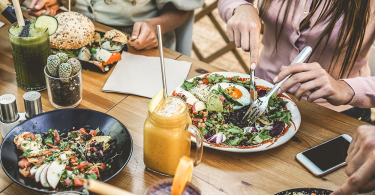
364	114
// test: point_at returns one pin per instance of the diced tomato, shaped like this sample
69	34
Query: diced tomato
73	157
93	132
24	163
102	167
205	76
92	143
25	172
115	57
29	135
69	168
54	149
94	149
83	132
205	81
78	182
93	170
50	145
46	152
40	160
57	137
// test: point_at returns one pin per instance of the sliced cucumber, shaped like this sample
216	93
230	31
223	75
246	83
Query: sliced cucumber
47	21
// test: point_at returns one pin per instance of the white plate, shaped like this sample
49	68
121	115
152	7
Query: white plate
296	119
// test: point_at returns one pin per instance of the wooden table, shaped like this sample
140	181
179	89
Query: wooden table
220	172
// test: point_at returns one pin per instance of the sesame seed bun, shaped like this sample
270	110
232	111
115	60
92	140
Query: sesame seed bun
74	33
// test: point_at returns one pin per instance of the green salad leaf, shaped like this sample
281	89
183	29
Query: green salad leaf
283	115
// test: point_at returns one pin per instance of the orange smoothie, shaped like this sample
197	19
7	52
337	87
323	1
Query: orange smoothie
166	136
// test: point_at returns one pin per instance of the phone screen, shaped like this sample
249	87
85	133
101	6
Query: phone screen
329	154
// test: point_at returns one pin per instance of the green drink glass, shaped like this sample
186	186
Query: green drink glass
30	56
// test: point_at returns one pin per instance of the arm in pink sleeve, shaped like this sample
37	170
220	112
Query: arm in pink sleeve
364	89
226	7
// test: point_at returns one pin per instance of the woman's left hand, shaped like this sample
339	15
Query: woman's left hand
315	82
144	35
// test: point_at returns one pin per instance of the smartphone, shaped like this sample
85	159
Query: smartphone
326	157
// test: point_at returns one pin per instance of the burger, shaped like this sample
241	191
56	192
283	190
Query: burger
76	37
74	32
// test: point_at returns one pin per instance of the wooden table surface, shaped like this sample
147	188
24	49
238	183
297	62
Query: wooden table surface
219	172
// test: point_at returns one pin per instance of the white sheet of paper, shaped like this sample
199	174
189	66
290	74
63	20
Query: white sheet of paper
1	24
141	75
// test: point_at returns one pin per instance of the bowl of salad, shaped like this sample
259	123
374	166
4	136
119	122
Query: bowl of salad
217	103
57	150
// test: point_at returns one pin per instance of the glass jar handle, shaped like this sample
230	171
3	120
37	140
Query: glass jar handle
198	141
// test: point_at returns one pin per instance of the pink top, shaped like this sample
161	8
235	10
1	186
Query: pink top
292	41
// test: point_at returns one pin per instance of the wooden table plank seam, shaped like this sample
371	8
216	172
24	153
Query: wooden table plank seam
6	188
117	103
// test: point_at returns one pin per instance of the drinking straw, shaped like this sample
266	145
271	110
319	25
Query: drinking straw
69	10
162	61
103	188
17	8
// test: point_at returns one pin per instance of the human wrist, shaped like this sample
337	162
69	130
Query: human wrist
242	7
347	92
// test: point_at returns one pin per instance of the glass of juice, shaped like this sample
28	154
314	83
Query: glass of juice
167	136
164	186
30	55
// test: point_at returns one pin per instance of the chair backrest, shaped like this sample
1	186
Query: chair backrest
184	35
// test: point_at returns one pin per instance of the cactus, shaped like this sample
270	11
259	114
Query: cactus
53	61
76	65
63	57
65	70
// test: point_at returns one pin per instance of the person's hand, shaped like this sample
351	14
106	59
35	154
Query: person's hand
361	163
144	35
315	82
244	29
49	7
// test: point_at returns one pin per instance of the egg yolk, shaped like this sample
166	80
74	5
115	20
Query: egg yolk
234	92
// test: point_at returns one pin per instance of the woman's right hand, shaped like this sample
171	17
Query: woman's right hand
49	7
244	29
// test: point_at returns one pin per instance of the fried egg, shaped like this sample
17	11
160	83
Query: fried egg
237	92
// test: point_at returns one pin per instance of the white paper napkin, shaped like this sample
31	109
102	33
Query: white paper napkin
141	75
1	24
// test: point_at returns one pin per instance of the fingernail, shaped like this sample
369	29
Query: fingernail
281	67
297	100
275	79
278	92
252	66
134	37
37	6
44	11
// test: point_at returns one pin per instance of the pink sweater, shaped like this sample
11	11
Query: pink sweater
292	41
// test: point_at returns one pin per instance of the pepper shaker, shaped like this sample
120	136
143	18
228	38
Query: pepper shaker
33	103
9	116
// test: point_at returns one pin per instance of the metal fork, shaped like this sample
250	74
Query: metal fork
260	105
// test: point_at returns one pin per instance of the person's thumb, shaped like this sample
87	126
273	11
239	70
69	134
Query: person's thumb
136	30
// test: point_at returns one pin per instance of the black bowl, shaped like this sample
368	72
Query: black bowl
317	191
64	120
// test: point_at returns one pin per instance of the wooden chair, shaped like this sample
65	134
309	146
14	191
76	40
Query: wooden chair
207	11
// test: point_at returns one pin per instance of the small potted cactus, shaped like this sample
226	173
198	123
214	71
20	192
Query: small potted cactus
64	81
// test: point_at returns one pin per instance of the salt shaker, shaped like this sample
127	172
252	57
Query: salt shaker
33	103
9	116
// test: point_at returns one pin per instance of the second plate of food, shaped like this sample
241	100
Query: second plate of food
217	103
54	151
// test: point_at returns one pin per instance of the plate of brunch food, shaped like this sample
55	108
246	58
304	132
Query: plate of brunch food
305	191
217	103
57	150
76	36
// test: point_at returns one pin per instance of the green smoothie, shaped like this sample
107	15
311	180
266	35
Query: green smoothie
30	54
